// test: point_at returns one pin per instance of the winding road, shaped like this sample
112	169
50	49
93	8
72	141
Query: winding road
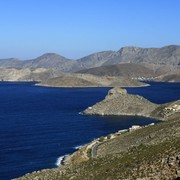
94	150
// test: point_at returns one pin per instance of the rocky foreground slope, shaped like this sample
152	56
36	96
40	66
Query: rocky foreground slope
151	152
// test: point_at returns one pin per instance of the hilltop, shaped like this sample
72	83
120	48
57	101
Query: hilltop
167	55
119	102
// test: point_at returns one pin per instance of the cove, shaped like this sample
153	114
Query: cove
40	124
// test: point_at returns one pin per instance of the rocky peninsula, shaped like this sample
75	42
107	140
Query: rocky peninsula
119	102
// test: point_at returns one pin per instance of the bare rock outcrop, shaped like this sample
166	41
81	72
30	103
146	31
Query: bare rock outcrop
119	102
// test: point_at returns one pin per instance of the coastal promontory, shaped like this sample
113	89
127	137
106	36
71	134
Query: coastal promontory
119	102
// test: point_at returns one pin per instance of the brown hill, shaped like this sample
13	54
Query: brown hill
125	70
167	55
87	80
119	102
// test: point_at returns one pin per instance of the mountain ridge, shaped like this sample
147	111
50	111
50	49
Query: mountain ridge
167	55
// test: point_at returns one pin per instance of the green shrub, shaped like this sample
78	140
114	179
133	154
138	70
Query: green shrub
109	136
89	152
101	139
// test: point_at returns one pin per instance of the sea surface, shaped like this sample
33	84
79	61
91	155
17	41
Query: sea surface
40	124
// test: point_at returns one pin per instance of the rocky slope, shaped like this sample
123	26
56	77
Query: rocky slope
94	60
48	61
125	70
86	80
119	102
170	77
168	55
26	74
51	61
128	62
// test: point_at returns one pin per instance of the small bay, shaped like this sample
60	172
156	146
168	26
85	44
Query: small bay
40	124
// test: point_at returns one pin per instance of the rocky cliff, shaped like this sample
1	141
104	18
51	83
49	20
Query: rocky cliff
168	55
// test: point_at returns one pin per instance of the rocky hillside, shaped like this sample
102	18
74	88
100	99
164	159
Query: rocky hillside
119	102
94	60
86	80
48	61
128	62
125	70
27	74
170	77
168	55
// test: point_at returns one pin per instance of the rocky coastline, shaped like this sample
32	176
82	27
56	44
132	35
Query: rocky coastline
119	102
160	141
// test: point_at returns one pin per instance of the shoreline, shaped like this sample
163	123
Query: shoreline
67	158
170	109
52	86
93	145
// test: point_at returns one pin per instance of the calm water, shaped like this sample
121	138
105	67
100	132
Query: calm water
158	92
40	124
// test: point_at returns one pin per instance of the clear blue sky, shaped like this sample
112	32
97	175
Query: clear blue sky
75	28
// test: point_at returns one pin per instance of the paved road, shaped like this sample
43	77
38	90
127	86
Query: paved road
94	150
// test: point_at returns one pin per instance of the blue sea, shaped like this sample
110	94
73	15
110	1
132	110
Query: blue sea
40	124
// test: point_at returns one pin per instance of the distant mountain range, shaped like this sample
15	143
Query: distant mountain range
168	55
130	63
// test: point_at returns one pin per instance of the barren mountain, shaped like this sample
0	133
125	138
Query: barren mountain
125	70
119	102
50	60
94	60
10	63
169	78
168	55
